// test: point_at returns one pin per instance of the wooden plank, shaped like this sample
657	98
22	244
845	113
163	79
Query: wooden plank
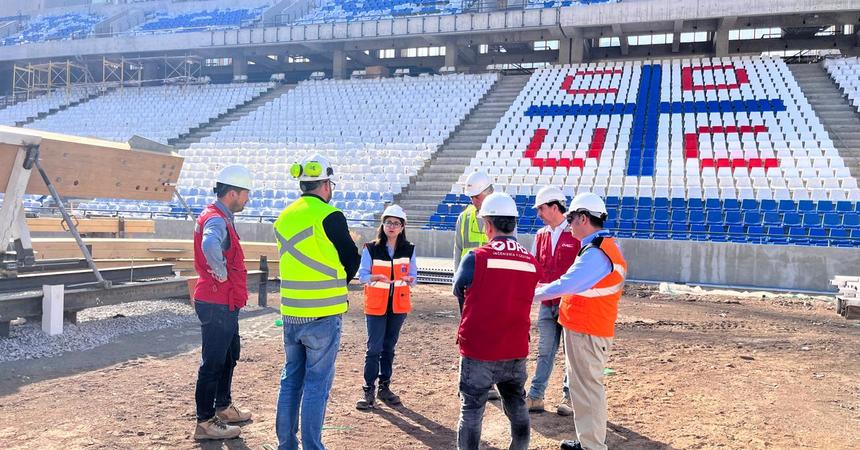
84	167
91	225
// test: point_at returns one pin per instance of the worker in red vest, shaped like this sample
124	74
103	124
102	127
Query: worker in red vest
589	291
388	271
220	293
555	250
495	284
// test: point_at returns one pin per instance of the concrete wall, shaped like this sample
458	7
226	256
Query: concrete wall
740	265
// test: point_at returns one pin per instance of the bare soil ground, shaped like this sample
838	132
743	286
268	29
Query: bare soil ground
690	373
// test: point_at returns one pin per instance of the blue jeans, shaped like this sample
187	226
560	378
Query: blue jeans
310	351
549	339
382	335
476	380
219	333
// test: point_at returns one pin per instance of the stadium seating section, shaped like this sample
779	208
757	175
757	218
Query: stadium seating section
846	73
23	110
49	28
197	20
158	113
730	141
349	10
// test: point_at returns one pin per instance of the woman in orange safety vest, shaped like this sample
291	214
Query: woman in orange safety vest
387	271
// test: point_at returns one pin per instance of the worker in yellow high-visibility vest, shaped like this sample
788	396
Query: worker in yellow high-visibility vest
317	260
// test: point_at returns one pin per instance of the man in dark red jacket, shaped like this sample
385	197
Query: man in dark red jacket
220	293
555	250
495	282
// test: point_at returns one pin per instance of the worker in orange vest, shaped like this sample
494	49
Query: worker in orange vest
589	291
388	271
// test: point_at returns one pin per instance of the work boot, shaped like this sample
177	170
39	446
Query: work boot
494	394
571	445
563	408
232	414
385	394
214	428
367	402
534	404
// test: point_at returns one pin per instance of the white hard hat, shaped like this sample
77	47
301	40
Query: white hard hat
314	168
549	194
394	211
476	183
590	203
499	204
238	176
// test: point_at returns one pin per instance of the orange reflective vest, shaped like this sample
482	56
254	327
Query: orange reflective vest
377	293
594	311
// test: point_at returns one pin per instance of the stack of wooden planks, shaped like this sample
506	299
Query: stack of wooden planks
92	225
848	299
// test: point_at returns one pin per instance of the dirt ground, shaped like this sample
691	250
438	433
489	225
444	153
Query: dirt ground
690	373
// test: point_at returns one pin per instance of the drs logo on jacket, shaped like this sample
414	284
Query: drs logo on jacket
508	245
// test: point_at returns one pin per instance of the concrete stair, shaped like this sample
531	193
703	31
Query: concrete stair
839	118
435	178
215	124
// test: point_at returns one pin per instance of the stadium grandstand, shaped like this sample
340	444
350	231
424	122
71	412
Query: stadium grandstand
717	121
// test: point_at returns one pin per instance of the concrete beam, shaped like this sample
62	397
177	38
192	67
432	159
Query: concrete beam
363	59
240	64
617	31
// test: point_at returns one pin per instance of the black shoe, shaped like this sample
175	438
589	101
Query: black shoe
571	445
367	402
385	394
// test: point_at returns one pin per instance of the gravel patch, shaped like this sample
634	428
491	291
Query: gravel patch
96	327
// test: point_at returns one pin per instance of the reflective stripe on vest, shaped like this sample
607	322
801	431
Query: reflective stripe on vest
313	281
594	310
470	232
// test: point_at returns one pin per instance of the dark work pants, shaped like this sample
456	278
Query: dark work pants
219	331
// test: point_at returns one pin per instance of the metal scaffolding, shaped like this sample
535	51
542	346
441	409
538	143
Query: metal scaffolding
34	80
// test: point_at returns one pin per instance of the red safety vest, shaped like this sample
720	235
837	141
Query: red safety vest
555	264
234	291
377	294
594	311
495	321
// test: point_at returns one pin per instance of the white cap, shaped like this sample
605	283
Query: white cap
549	194
317	165
590	203
499	204
476	183
394	211
238	176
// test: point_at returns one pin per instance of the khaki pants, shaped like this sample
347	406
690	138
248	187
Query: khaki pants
585	358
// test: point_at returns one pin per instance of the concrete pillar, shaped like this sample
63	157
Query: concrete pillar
451	59
52	309
577	50
240	65
564	45
721	43
338	65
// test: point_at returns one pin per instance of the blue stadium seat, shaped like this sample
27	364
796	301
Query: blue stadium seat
696	217
661	216
661	203
825	206
851	220
805	206
752	218
733	218
713	217
787	206
768	205
713	204
811	220
844	206
791	219
749	204
679	216
731	204
643	214
678	203
772	218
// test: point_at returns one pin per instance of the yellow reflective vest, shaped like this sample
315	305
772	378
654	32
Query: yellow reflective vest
469	234
313	280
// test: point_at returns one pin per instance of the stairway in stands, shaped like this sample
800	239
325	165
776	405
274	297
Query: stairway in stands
215	124
434	180
839	118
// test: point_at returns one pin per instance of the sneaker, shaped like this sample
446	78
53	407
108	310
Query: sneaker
367	402
563	408
494	394
214	428
385	394
232	414
534	404
570	445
